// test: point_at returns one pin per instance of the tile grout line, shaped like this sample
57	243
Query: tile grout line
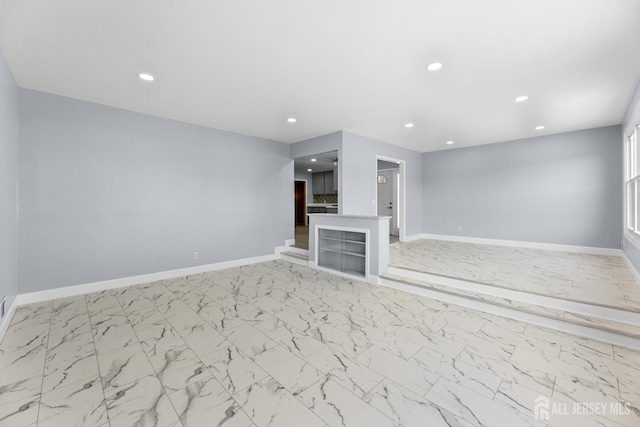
44	365
104	398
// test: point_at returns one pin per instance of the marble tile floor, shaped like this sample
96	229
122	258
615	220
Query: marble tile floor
279	344
594	279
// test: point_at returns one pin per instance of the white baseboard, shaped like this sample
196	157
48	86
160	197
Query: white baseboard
413	237
519	244
69	291
7	319
290	242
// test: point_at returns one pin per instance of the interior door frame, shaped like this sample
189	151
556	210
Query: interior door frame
402	214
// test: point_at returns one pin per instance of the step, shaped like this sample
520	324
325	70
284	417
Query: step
296	257
616	326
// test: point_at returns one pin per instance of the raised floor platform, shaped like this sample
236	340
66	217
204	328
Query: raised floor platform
589	295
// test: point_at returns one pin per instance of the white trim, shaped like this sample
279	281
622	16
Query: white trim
414	237
290	242
74	290
519	244
403	192
7	318
545	322
585	309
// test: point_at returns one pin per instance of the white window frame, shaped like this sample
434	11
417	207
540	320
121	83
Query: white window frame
631	141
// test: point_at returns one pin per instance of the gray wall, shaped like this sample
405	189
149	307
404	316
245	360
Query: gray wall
8	183
359	168
107	193
562	189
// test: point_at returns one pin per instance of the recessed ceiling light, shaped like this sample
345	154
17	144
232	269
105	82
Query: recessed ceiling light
449	142
408	125
522	98
309	170
539	127
434	67
146	77
313	160
292	120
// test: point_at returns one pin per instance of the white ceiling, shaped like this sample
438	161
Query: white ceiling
358	65
322	163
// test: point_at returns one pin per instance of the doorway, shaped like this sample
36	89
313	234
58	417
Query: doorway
300	196
387	193
390	195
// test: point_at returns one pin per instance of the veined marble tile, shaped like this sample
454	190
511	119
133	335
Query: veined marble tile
630	390
219	317
187	319
233	369
145	318
290	371
427	339
158	339
268	403
123	366
474	407
206	403
204	339
62	342
22	362
496	334
409	409
142	402
102	305
512	371
302	321
249	340
31	314
338	407
568	391
67	312
390	342
349	344
177	368
586	376
67	364
407	374
469	376
298	343
105	320
19	402
80	404
523	400
114	337
32	335
351	375
172	307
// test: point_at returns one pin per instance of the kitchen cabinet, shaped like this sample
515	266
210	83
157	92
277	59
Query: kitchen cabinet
323	183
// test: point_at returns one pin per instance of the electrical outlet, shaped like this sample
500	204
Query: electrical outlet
195	255
459	228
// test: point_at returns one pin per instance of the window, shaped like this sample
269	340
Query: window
632	178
